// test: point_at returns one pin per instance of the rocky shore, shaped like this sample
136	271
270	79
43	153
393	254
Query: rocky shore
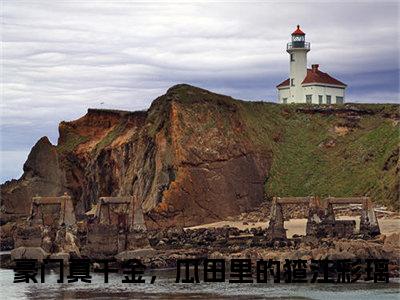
169	245
163	247
229	243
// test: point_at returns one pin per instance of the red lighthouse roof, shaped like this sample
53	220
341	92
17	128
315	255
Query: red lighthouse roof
298	31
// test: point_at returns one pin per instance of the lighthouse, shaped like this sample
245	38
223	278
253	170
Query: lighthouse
305	85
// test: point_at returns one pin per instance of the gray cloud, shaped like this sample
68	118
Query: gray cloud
61	57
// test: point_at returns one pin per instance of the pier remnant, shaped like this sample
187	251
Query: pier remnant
49	229
321	221
118	227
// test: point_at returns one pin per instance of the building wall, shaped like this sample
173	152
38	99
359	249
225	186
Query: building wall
282	94
316	90
298	71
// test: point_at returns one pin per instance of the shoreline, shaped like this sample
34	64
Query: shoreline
297	226
220	240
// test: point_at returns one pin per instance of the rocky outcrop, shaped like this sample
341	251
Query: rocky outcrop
29	253
195	157
42	176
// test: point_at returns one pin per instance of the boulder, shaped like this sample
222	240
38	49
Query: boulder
29	253
27	236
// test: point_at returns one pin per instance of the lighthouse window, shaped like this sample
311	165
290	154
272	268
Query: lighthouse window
284	100
309	99
292	57
292	82
298	38
319	99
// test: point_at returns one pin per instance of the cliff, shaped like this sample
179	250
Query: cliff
196	157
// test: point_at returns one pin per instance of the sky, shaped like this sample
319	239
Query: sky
61	57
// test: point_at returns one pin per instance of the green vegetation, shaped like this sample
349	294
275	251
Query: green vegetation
110	137
72	140
343	150
310	158
265	123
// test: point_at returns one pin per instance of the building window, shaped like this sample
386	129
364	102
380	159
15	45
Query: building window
328	99
309	99
292	82
291	57
339	100
284	100
320	99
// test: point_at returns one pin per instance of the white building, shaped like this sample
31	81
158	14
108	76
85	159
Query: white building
307	85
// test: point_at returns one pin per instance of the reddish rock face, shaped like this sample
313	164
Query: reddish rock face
192	157
186	158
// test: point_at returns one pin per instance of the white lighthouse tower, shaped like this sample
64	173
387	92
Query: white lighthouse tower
307	85
297	50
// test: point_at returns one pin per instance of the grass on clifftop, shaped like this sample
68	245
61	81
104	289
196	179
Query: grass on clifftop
340	150
310	158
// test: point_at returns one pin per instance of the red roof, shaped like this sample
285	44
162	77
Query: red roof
298	31
316	76
283	83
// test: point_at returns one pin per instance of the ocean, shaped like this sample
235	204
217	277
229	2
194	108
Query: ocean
166	288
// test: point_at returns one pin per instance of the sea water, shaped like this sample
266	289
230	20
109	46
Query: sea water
166	288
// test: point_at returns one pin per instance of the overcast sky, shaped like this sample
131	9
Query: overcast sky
61	57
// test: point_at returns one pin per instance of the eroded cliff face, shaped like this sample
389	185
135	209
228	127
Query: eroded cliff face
196	157
207	167
187	167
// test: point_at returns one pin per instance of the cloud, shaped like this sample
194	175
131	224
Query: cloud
61	57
